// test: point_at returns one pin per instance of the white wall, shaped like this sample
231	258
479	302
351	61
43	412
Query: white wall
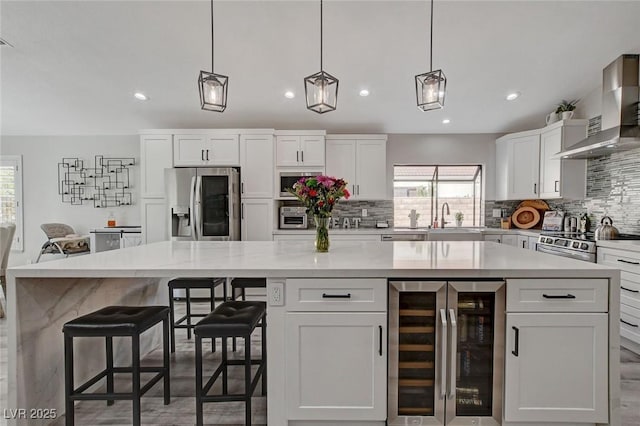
590	105
41	201
444	149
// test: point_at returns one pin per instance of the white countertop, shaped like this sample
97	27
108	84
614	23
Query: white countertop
379	231
474	259
633	245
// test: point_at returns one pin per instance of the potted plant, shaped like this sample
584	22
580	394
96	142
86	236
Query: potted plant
565	108
459	218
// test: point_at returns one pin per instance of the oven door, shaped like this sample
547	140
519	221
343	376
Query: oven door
587	257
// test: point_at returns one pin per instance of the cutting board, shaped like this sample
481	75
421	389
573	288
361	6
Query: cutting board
536	204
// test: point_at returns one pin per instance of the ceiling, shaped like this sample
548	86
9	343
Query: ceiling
74	66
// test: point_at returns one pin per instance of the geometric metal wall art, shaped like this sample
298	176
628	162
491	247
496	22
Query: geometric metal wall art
106	184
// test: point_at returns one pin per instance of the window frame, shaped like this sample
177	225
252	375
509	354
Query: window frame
16	162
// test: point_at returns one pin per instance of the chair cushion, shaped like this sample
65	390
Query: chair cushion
196	282
233	318
117	320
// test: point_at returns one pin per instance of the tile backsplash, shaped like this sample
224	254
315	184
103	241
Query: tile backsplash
613	189
379	210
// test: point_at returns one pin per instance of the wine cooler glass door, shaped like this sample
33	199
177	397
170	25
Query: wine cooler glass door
418	322
476	352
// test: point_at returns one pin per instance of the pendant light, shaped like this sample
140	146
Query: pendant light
213	87
431	86
321	88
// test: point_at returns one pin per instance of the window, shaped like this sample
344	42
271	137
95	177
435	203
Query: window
11	195
426	188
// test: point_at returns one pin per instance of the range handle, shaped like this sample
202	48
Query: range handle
443	354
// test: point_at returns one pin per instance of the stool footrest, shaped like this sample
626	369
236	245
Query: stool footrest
101	396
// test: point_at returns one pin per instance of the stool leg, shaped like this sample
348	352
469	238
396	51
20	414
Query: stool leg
244	295
173	320
167	368
68	380
109	349
135	373
224	370
233	343
199	420
188	313
213	307
264	355
247	379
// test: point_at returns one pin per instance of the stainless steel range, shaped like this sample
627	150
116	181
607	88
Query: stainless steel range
573	245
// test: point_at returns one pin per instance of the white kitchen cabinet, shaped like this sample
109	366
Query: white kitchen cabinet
300	150
524	162
361	161
256	219
337	366
555	367
256	166
206	150
154	220
510	240
533	243
525	168
494	238
114	238
522	241
156	154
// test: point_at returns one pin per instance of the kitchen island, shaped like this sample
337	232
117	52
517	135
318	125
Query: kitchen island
43	297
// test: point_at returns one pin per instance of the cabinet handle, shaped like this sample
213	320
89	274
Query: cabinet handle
336	296
242	211
555	296
358	188
555	186
297	156
443	353
453	352
207	155
535	188
202	154
302	156
629	290
628	323
242	187
517	341
524	243
628	262
380	343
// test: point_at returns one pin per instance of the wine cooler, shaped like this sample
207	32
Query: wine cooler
446	352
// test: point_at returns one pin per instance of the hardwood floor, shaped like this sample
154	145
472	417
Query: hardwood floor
181	411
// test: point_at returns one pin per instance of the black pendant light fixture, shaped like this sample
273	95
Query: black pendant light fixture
321	88
431	86
213	87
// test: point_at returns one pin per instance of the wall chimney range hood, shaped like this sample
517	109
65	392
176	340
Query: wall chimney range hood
620	113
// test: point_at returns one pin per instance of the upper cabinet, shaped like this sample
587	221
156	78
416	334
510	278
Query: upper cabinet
156	154
361	160
525	167
256	166
206	150
294	149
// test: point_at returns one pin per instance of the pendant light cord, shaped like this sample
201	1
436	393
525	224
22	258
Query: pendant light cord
321	68
212	36
430	41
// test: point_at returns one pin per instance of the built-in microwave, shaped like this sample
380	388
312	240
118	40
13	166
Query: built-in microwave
288	178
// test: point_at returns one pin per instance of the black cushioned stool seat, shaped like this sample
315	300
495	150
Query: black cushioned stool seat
244	283
109	322
188	284
232	319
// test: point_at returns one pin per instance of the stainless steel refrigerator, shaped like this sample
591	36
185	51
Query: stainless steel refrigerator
204	203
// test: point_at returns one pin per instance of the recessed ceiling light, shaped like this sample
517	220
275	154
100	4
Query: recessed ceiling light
513	96
140	96
611	146
289	94
446	121
364	92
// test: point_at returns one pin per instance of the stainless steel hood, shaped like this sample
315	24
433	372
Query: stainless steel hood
620	113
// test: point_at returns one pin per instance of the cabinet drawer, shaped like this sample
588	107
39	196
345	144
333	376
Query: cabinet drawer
336	295
557	295
630	323
620	259
630	289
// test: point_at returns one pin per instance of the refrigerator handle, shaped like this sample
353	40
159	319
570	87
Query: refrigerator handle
443	354
192	206
198	207
453	353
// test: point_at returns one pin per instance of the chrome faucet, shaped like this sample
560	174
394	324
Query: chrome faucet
442	221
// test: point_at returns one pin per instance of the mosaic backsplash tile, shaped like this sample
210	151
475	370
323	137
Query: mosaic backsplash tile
613	189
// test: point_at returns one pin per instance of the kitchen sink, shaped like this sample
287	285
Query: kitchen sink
454	234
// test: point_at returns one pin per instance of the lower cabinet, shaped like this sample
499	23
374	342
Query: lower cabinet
555	367
337	365
257	219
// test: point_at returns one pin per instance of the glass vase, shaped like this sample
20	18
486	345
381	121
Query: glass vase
322	233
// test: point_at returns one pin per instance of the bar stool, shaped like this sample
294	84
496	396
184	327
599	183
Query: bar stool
231	319
242	284
188	284
108	322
